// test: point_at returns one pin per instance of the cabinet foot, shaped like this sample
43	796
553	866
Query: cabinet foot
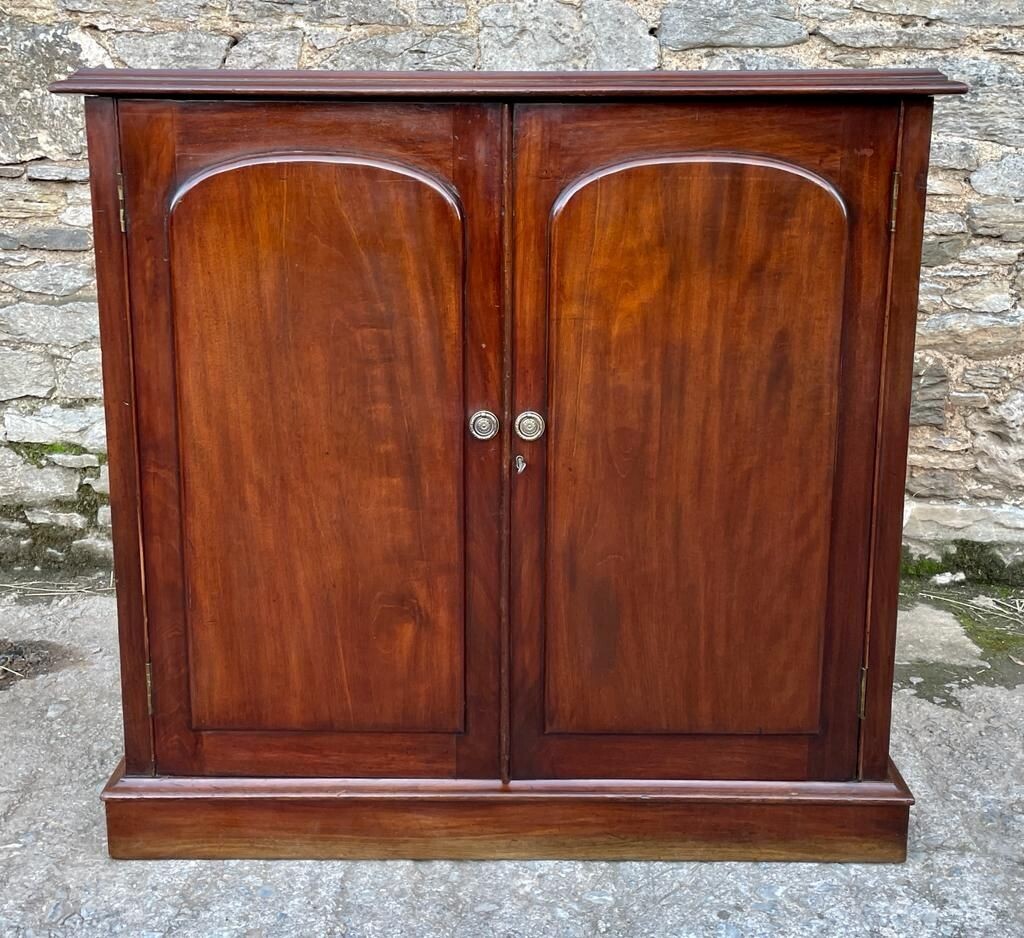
207	818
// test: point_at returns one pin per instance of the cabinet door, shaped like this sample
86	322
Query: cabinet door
700	302
315	312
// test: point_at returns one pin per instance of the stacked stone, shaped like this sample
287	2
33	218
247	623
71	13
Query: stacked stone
966	477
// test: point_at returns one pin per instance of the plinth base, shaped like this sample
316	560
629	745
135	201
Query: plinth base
206	818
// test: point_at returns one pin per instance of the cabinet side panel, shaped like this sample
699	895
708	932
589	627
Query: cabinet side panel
893	432
119	404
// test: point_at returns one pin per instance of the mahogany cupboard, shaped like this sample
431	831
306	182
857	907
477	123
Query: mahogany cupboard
507	465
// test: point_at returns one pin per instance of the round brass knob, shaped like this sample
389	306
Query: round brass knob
530	425
483	425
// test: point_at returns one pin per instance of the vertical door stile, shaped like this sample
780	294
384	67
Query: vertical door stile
507	300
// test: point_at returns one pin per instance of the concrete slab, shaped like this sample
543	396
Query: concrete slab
964	758
930	634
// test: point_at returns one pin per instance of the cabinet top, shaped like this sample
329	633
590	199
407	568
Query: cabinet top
224	83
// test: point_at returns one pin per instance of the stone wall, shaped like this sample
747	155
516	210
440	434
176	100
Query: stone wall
966	476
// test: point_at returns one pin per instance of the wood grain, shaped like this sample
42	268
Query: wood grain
320	402
893	432
313	320
611	345
119	409
369	635
478	174
311	818
521	85
695	312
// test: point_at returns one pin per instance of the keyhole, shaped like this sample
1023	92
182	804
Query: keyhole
520	464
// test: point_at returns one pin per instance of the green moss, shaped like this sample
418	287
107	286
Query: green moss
12	512
46	536
86	502
997	641
922	567
1003	591
978	562
36	453
994	639
33	547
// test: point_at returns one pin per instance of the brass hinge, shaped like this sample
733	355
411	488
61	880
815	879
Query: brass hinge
149	688
862	701
120	202
894	198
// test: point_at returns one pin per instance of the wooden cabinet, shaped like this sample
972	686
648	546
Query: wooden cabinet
507	465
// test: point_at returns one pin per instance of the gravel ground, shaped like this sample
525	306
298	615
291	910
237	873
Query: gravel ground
959	740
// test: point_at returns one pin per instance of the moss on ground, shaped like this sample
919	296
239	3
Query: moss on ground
996	639
997	631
